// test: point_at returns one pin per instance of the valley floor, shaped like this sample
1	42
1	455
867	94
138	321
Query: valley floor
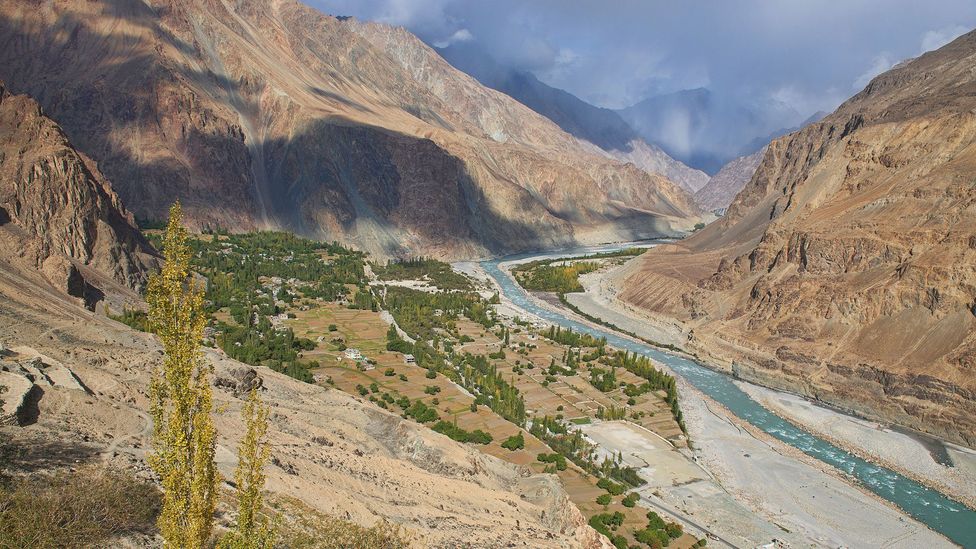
738	483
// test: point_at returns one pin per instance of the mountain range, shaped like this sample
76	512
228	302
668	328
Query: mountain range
275	116
844	269
599	126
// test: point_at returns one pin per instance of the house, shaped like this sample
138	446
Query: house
409	359
354	354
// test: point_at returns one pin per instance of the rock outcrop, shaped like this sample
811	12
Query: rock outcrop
844	268
721	189
274	115
58	213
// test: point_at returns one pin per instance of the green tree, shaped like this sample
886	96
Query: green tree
183	437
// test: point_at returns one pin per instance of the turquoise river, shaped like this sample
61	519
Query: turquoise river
952	519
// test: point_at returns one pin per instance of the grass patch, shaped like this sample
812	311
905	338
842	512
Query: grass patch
75	509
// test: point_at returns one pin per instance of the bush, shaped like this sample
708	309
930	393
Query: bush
603	499
447	428
514	442
333	327
403	377
610	486
556	459
431	374
674	530
79	509
630	500
389	372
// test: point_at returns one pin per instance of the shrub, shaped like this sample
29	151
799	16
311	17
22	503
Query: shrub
603	499
333	327
514	442
75	509
630	499
403	377
674	530
450	429
389	372
610	486
431	374
558	460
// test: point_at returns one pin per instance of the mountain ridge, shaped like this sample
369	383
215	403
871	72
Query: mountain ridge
841	270
58	213
277	116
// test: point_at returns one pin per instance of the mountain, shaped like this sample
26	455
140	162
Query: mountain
705	130
273	115
722	187
599	126
58	213
844	269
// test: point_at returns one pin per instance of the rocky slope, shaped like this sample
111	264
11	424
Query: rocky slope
844	269
599	126
722	187
273	115
332	453
58	214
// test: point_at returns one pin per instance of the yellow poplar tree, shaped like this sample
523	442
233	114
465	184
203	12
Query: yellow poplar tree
253	531
183	438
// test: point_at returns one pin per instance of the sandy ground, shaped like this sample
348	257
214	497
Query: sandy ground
803	496
754	488
599	301
876	442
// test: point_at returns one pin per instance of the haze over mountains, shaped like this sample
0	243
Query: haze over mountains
844	269
707	131
273	115
602	127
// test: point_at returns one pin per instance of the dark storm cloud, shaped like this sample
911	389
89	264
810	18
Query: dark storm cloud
808	54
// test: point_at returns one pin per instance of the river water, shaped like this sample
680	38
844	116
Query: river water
952	519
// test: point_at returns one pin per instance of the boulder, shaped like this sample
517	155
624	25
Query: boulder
240	381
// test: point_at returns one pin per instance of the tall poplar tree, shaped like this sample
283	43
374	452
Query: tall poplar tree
183	438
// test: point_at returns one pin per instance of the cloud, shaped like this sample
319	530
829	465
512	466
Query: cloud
807	53
935	39
461	35
880	64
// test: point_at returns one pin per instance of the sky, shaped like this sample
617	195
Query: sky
808	54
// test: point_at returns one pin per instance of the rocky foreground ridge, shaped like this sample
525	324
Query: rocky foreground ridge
844	269
274	115
77	385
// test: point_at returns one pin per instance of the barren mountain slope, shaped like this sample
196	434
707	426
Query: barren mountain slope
273	115
845	268
599	126
721	189
331	452
58	214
